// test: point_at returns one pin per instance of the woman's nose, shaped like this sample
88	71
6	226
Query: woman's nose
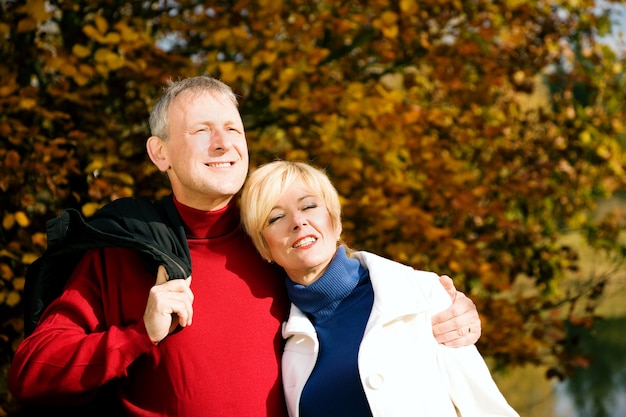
299	221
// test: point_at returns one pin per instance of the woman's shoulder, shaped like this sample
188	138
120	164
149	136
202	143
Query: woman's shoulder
373	261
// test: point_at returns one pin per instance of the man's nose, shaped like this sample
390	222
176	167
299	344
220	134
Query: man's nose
220	140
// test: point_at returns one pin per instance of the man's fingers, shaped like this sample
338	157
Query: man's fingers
459	325
181	303
170	303
448	285
184	311
462	337
443	322
161	275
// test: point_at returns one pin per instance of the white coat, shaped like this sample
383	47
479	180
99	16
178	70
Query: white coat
404	371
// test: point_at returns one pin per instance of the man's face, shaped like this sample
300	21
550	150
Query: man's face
206	151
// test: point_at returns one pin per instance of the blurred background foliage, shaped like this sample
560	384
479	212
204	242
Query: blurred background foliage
466	137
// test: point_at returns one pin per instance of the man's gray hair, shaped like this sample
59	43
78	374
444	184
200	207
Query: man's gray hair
159	123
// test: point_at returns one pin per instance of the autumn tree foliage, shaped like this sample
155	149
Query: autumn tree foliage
466	137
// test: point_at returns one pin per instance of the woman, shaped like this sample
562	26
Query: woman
359	335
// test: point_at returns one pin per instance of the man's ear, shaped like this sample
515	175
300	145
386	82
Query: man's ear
156	151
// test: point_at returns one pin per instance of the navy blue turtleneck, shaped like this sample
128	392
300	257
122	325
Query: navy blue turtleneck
338	304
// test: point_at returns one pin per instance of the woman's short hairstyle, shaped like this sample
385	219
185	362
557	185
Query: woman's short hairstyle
266	185
159	123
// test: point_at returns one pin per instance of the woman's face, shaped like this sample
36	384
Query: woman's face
300	234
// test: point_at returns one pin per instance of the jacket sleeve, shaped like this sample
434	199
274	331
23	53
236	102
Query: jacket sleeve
471	386
472	389
86	337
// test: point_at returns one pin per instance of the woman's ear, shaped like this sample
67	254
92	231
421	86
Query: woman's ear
339	229
156	151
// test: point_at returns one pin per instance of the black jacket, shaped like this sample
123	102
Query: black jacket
154	229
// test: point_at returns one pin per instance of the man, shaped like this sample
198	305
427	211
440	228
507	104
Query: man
202	346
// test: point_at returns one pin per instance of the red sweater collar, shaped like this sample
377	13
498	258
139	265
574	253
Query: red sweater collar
200	224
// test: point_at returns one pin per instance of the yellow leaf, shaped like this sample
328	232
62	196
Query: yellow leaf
26	25
37	10
101	55
8	221
126	178
221	35
67	68
127	34
22	219
6	272
81	51
29	258
391	31
92	32
604	152
121	176
39	239
89	209
454	266
389	18
80	79
7	89
102	69
124	192
228	71
408	7
13	298
112	38
6	253
86	70
297	155
585	137
18	283
101	24
114	61
459	244
138	64
27	103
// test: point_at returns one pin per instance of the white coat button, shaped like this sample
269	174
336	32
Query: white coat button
375	381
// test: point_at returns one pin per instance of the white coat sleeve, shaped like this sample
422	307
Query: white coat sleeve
471	386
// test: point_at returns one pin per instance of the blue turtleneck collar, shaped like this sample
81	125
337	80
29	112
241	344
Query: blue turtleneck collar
322	297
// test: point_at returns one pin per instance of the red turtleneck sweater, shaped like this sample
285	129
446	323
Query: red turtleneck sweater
225	364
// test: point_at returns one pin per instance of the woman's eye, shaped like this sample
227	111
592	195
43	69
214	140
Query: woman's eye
273	219
310	206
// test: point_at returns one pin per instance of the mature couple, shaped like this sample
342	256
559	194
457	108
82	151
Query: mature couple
363	334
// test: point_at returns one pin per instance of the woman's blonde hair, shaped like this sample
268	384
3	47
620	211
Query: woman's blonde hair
266	185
